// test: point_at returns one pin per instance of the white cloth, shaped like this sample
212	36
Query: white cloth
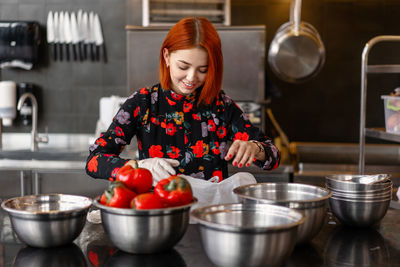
94	216
212	193
160	168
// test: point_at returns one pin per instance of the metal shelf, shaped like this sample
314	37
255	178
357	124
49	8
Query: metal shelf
380	133
365	70
383	69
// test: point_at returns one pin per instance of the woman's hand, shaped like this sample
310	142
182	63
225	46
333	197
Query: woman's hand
160	168
243	153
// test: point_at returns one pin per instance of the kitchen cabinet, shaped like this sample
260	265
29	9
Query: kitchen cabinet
376	69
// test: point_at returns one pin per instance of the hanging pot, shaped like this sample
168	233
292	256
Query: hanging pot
297	52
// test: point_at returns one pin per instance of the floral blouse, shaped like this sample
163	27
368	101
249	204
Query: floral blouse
169	125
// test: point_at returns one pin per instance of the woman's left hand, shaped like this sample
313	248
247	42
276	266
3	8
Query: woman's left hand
243	153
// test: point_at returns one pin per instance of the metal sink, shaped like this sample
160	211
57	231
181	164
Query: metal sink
63	151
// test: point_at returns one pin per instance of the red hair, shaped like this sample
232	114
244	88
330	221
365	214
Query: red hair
190	33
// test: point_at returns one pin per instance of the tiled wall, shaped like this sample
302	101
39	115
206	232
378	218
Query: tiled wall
70	91
323	109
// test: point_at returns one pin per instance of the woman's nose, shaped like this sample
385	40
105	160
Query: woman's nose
191	75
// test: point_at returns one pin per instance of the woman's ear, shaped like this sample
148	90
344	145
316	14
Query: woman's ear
166	56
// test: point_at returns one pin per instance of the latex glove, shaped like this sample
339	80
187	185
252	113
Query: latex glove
160	168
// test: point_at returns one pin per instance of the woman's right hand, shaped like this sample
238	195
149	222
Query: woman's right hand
160	168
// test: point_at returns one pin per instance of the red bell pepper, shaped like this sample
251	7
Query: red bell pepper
137	179
147	201
117	195
174	190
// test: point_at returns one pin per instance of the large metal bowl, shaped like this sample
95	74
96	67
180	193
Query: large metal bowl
308	199
360	213
247	234
144	231
47	220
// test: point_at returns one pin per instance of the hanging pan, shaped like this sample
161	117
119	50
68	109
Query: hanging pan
297	52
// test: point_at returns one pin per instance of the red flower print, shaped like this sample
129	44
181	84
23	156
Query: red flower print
241	136
101	142
155	151
176	96
198	149
219	174
136	111
144	91
119	131
196	116
187	106
114	172
247	125
211	126
215	150
172	103
170	129
92	165
155	121
221	132
140	145
174	152
186	139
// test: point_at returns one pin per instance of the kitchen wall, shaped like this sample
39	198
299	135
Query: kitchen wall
323	109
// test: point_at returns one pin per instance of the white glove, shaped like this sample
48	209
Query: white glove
160	168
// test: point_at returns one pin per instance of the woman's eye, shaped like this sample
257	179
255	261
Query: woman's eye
203	71
182	68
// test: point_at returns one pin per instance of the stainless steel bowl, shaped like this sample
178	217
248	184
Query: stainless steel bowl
360	196
361	213
144	231
47	220
351	182
308	199
247	234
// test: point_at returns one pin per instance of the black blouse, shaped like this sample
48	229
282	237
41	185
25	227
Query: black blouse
169	125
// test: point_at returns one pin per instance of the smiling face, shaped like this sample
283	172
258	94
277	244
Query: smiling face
188	69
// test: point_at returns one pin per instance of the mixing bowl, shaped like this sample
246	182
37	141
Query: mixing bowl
308	199
252	234
359	212
356	203
144	231
47	220
351	182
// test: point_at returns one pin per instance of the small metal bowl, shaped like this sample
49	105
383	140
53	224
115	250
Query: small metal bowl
47	220
144	231
247	234
361	213
310	200
351	182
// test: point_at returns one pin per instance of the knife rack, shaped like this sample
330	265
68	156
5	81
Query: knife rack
168	12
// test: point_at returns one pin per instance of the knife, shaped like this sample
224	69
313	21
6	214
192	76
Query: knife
61	34
85	31
80	34
98	35
75	36
92	41
68	37
50	34
56	35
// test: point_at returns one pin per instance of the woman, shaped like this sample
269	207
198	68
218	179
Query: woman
184	125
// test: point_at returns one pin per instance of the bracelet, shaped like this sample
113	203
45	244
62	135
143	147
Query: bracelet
260	146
